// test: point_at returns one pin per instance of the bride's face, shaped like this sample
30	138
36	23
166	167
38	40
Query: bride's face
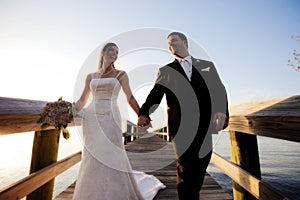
111	55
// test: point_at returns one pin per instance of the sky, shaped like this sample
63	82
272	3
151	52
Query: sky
46	45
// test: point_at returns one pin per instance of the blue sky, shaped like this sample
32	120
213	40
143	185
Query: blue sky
43	44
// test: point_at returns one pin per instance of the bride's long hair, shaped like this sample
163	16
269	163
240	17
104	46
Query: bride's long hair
103	52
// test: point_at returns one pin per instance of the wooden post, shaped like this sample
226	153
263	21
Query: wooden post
44	153
244	152
127	138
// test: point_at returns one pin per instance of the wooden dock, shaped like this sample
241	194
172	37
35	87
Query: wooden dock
155	156
274	118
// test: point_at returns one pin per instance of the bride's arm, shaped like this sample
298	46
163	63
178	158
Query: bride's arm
124	80
85	94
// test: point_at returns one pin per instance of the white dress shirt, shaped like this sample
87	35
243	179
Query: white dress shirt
186	64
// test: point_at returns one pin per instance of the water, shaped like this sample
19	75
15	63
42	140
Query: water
279	162
15	165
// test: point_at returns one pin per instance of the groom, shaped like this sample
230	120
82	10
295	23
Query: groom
197	108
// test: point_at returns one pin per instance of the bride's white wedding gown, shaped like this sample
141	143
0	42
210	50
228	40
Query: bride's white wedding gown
105	171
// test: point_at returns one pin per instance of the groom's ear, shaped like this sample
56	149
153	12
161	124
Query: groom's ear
185	44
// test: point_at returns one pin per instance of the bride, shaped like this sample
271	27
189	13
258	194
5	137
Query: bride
105	171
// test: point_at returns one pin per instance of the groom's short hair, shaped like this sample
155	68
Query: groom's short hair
180	35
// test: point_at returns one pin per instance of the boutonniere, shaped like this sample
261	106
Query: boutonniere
205	69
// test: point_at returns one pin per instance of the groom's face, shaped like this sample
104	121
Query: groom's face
177	46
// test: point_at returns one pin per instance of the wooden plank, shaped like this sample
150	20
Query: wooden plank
277	118
27	185
166	174
253	185
20	115
11	106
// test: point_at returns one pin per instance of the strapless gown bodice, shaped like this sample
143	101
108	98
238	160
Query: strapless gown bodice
105	93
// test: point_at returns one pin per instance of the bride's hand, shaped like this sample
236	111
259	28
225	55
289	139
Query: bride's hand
143	123
144	128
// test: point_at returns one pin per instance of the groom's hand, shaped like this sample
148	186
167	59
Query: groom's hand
220	121
143	121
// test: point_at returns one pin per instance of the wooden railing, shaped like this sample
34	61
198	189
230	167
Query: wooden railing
20	115
276	118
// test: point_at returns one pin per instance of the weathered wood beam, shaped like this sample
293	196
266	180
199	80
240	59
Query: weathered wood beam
20	115
253	185
30	183
276	118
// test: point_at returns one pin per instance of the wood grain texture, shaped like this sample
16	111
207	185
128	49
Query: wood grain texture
276	118
166	174
253	185
32	182
20	115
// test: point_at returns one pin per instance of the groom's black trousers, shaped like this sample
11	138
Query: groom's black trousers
191	171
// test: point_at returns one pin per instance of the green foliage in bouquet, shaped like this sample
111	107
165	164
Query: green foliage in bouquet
57	114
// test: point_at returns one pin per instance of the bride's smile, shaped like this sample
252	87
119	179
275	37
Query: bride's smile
111	55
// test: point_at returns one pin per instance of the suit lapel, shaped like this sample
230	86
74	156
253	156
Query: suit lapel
177	66
196	64
199	68
196	68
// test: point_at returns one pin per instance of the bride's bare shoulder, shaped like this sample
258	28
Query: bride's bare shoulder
93	75
120	74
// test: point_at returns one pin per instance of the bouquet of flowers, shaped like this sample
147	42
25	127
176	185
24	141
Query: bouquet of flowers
57	114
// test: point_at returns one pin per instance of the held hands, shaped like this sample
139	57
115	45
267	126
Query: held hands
143	123
221	121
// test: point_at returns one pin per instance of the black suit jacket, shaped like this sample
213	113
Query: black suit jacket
191	104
